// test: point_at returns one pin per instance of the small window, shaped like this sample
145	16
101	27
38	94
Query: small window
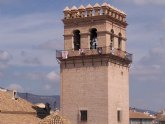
119	115
83	115
119	41
93	38
76	37
112	38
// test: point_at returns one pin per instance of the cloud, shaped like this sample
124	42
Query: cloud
52	76
155	56
32	61
150	68
147	2
47	87
36	76
29	30
32	34
15	86
5	56
51	45
4	2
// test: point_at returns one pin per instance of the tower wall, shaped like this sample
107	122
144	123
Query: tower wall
118	96
85	88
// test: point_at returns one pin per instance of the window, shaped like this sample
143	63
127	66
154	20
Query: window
76	37
112	38
119	115
119	41
93	38
83	115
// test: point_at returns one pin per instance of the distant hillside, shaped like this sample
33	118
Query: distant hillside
54	101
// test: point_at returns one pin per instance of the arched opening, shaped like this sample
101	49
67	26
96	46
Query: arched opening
76	37
112	38
93	38
119	41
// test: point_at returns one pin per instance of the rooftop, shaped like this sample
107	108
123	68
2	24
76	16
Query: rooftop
16	111
55	118
140	115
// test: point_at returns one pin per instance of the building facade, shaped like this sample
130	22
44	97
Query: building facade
94	65
141	117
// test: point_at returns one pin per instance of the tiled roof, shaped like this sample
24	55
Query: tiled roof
160	117
18	119
139	115
9	104
16	111
54	118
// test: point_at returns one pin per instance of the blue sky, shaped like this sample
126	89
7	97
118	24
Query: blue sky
31	31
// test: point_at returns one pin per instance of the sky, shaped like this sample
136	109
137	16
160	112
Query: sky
31	31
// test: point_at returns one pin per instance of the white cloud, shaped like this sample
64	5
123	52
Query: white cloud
31	33
150	67
47	87
4	56
15	86
52	76
29	75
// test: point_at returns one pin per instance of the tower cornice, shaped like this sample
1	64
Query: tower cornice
94	19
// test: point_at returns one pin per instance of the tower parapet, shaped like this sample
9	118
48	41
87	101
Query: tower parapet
96	10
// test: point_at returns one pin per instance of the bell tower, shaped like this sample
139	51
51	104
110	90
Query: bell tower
94	65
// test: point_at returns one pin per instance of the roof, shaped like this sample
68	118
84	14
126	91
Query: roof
18	119
160	117
9	104
54	118
139	115
16	111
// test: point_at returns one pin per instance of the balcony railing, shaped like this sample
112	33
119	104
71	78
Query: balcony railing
66	54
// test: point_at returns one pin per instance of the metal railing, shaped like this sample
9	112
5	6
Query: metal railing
65	54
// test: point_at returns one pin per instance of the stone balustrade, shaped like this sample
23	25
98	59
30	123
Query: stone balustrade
65	54
96	10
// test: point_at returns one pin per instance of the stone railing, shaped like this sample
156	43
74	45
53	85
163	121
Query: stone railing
65	54
96	10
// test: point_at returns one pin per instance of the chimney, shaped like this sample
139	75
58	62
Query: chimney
14	95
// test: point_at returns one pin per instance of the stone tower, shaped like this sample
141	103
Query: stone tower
94	65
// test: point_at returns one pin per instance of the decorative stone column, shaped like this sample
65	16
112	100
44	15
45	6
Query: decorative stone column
89	9
105	8
74	12
97	8
81	10
66	12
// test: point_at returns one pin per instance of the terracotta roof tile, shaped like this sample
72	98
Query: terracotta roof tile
9	104
16	111
54	118
139	115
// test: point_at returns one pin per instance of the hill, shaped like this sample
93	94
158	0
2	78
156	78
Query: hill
54	101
